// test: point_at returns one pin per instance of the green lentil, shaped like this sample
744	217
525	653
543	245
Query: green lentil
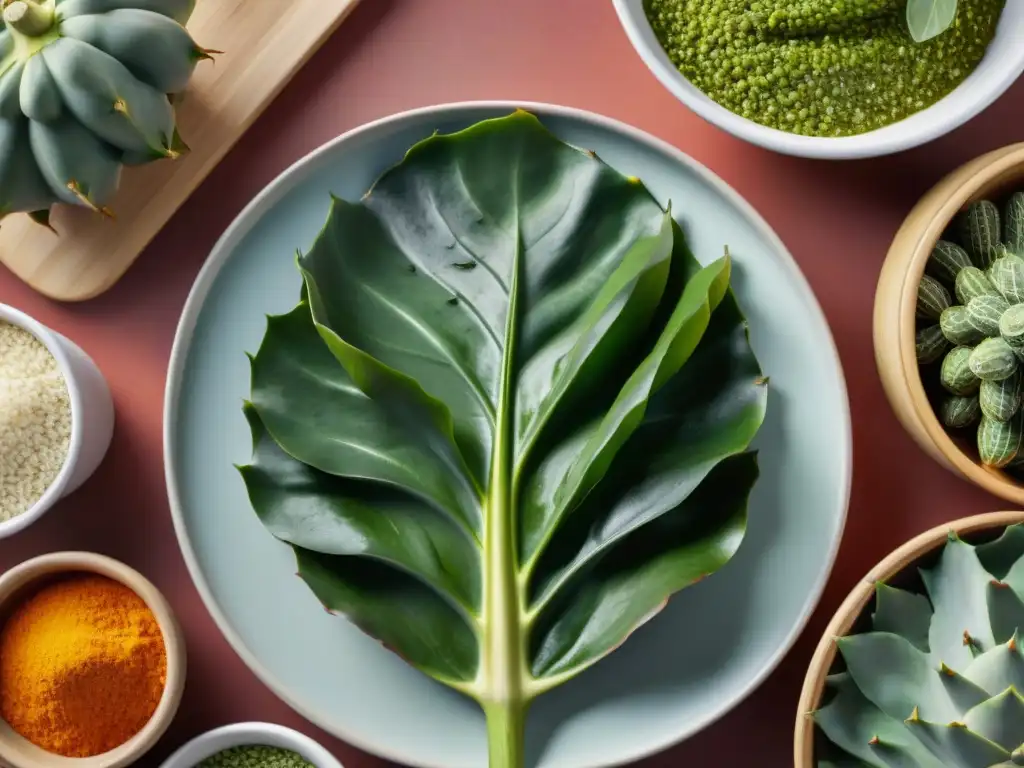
255	756
819	67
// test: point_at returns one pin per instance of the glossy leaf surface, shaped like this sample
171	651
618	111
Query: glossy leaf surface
510	417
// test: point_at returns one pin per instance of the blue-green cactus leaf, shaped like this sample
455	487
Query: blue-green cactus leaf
39	95
892	756
1015	577
999	719
998	668
10	91
904	613
79	168
179	10
109	68
957	589
852	723
22	185
962	677
896	677
1005	609
962	692
957	745
999	556
104	95
154	48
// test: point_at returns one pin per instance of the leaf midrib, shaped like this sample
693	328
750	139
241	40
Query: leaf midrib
502	672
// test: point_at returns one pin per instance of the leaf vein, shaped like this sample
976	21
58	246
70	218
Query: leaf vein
439	343
465	246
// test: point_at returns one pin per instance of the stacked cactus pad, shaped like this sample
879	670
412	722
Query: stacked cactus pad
970	310
936	681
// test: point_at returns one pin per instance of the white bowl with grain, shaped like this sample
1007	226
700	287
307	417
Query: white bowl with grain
91	415
208	744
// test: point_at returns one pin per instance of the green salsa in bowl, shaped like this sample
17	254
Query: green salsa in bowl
828	78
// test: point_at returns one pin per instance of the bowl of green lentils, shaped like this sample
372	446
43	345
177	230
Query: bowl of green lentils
831	79
252	745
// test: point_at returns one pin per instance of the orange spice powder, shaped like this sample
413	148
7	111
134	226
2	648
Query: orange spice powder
82	666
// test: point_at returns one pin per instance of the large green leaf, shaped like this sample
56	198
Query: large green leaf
509	417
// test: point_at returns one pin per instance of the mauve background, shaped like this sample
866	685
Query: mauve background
392	55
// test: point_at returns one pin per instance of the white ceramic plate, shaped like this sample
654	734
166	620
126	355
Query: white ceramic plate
713	645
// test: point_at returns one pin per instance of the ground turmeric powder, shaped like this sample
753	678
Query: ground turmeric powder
82	666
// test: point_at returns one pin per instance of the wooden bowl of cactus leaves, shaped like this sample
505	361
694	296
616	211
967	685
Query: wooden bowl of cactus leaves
949	322
923	666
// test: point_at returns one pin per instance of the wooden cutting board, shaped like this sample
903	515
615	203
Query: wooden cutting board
263	48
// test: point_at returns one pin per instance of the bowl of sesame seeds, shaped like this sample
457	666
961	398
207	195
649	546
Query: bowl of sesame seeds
56	419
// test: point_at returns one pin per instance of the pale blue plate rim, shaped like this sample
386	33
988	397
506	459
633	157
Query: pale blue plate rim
294	175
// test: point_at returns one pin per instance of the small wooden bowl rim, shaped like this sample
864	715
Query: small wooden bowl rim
952	194
16	751
852	607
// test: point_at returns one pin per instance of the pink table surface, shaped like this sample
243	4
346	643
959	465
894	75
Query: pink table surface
392	55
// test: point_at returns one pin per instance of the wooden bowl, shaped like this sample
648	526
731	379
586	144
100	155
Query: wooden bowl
988	176
973	529
17	752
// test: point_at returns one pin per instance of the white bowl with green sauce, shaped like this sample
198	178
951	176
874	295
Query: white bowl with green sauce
211	748
842	120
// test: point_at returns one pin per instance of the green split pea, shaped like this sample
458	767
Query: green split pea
255	756
819	67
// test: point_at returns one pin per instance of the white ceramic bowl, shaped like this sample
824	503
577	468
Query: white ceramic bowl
247	734
1001	66
92	417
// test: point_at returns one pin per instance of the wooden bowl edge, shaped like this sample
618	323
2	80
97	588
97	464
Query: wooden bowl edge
18	752
894	310
847	614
